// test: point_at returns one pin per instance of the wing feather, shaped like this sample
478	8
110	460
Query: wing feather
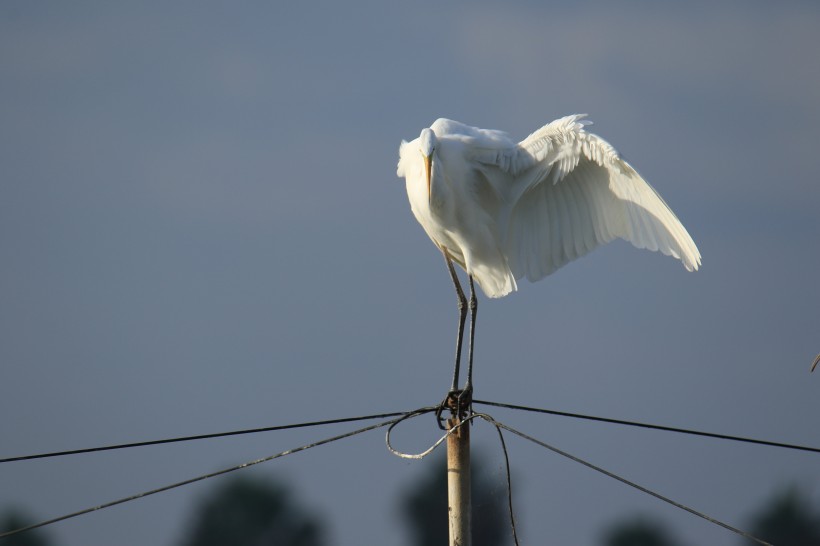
554	239
566	229
585	229
566	191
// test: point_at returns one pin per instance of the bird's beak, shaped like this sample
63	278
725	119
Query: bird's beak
428	166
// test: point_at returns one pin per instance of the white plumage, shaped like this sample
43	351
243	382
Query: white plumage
504	211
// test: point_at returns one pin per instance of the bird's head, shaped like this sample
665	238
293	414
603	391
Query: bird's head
427	144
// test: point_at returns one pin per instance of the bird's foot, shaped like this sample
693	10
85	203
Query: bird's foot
459	402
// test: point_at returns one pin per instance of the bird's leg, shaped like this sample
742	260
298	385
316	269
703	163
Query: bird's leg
451	401
465	397
462	317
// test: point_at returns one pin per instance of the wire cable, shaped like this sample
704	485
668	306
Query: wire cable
430	449
631	484
651	426
497	426
199	437
394	414
205	476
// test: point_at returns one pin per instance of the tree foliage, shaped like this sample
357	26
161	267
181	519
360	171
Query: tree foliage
788	519
246	512
14	519
639	531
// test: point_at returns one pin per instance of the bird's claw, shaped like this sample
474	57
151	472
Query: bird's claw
459	402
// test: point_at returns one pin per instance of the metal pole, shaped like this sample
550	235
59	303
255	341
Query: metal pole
458	483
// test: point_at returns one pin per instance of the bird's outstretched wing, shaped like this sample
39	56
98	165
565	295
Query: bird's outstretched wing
566	191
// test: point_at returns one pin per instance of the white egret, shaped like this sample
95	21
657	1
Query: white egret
504	211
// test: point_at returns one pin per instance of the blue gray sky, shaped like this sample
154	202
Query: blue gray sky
201	229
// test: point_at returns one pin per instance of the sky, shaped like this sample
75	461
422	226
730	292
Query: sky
201	229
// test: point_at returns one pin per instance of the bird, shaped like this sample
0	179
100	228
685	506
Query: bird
504	211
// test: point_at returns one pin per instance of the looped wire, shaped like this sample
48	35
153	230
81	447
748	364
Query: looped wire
430	449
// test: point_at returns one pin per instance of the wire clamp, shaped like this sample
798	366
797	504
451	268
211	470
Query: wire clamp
460	404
